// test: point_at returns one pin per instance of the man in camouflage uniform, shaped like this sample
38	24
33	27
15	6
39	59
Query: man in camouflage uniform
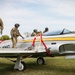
14	35
35	32
1	26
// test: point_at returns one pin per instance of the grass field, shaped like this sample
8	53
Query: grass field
53	66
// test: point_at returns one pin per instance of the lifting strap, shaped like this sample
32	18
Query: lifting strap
47	50
33	44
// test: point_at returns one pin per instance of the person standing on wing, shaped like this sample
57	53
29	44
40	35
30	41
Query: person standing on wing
15	34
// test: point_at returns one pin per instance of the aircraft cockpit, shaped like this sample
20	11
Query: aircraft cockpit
58	32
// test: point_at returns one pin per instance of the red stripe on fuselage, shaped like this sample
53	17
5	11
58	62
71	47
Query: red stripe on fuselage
1	41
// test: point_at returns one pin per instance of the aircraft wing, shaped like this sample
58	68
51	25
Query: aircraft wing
20	51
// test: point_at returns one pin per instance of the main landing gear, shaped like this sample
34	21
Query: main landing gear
19	65
40	61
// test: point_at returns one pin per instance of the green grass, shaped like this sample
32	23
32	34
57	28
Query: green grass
53	66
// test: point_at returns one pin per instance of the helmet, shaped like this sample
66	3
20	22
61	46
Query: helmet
17	25
35	30
46	29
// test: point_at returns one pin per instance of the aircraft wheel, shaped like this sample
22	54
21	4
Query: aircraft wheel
40	61
22	66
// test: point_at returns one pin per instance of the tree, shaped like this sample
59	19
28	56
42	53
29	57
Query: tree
5	37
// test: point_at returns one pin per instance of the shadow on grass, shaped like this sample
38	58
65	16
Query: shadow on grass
8	68
49	67
53	65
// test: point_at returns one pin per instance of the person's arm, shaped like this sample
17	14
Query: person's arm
20	35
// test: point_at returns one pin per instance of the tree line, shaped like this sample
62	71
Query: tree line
4	37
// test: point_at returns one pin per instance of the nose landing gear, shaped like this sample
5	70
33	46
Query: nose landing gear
19	65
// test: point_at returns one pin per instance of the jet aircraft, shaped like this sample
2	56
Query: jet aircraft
39	46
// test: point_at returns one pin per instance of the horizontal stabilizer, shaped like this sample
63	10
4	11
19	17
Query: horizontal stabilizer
70	56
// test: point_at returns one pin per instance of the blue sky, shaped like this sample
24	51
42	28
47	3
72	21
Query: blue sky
37	14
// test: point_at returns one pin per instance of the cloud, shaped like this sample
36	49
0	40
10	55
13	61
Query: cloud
37	14
64	7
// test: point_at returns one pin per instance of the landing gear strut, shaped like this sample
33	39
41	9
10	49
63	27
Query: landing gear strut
19	65
40	61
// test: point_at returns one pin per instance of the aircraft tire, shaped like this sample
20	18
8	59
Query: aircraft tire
40	61
22	66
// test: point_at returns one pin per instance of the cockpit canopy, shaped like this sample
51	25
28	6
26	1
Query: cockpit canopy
59	32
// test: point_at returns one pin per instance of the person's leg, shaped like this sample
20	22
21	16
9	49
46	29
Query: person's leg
14	42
